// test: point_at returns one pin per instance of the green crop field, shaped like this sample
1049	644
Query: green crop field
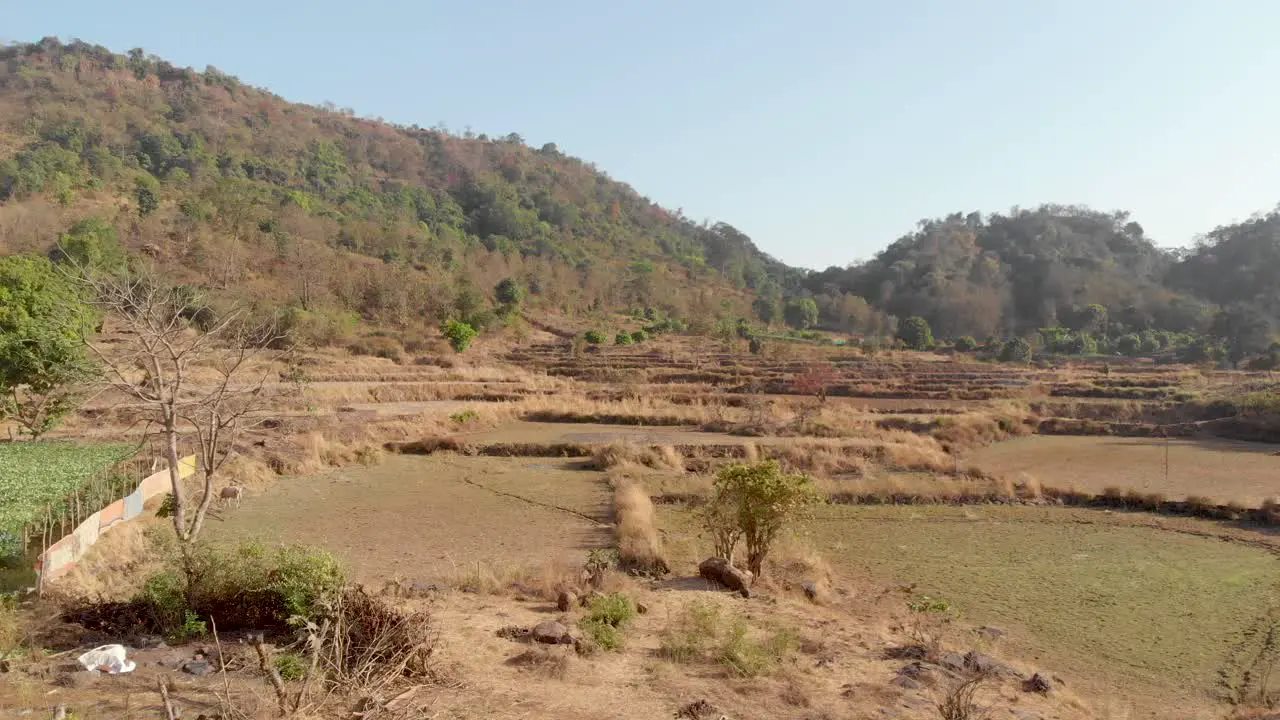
35	476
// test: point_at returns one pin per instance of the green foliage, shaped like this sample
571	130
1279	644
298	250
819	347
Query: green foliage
458	334
755	345
966	343
1130	345
801	313
593	337
1016	350
916	333
744	329
701	632
930	620
755	501
465	417
622	338
90	245
509	293
40	476
192	628
606	618
639	336
242	586
291	667
146	190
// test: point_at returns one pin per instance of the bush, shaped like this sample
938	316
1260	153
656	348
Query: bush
291	667
701	633
755	345
966	343
1016	350
378	346
639	336
593	337
916	333
459	334
755	502
465	417
607	617
241	587
622	339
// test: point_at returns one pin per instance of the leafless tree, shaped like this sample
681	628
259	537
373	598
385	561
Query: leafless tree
195	382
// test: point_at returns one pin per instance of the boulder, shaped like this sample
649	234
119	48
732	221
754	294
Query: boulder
952	661
1038	684
987	632
916	671
719	570
566	600
907	683
552	633
79	679
810	590
199	668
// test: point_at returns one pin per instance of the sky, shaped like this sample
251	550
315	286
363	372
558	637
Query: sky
824	129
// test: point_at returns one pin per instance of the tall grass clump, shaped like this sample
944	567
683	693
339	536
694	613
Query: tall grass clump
701	632
639	547
606	618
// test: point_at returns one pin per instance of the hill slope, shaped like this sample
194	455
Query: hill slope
289	203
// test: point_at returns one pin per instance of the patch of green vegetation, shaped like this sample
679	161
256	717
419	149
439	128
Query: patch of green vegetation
701	632
606	618
291	667
35	476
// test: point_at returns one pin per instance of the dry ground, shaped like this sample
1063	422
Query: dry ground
1222	470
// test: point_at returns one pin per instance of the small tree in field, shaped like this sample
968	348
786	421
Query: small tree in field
916	333
755	502
459	334
195	384
815	381
1016	350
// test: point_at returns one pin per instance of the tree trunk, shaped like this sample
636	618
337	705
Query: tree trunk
175	474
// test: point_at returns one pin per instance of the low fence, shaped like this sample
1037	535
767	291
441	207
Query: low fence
62	555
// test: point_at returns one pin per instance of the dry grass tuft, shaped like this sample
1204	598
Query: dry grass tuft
639	548
544	661
622	454
544	581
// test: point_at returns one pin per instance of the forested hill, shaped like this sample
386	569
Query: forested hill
287	203
334	217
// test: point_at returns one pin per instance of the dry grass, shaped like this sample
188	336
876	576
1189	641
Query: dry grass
639	548
622	454
544	581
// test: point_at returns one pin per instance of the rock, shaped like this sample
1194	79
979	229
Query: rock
566	600
1038	684
952	661
147	642
810	590
698	710
990	633
642	609
587	599
916	670
903	681
975	661
719	570
199	668
552	633
513	632
79	679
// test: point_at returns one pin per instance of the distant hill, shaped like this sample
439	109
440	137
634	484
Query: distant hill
236	190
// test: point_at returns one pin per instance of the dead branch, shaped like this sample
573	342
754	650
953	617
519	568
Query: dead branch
273	675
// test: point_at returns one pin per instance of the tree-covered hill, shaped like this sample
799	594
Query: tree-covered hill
292	204
335	218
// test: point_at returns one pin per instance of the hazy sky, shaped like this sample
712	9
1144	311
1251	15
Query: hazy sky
823	129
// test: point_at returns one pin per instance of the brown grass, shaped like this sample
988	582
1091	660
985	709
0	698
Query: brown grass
639	548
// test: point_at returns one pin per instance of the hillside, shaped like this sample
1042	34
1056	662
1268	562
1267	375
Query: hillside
340	219
238	190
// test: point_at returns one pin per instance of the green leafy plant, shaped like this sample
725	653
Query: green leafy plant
702	632
916	334
755	502
465	417
593	337
606	618
192	628
622	338
930	620
291	667
639	336
458	334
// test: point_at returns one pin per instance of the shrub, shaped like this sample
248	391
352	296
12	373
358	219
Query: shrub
700	632
291	667
593	337
755	345
966	343
755	501
378	346
931	618
459	334
749	657
639	336
1016	350
916	333
465	417
622	339
607	617
692	633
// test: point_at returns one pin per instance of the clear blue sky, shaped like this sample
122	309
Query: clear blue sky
823	129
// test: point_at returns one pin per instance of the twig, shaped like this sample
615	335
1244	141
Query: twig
222	668
273	675
168	705
316	642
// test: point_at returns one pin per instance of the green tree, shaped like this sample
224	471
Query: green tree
966	343
90	245
916	333
147	191
509	294
756	502
639	336
622	338
1130	345
802	313
1016	350
459	334
593	337
43	322
744	329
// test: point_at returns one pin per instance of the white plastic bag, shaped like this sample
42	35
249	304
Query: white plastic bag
108	658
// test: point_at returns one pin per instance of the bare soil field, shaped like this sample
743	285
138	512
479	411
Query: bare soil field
424	519
1219	469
